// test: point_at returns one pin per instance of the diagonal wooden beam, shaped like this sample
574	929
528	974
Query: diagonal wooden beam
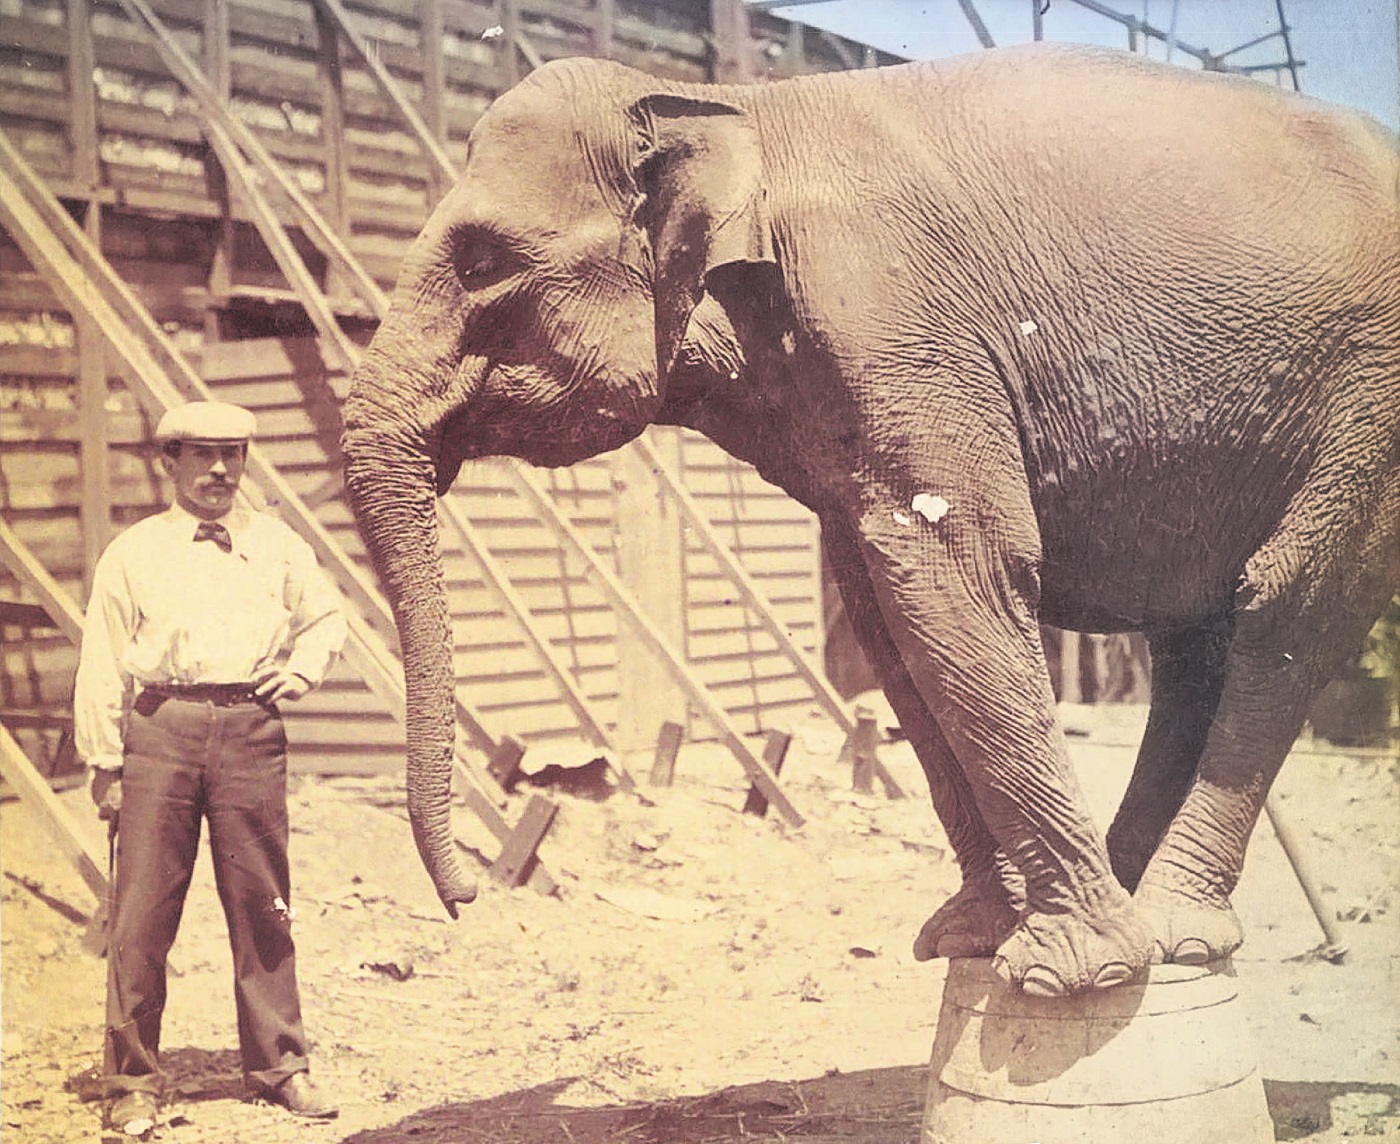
34	789
974	18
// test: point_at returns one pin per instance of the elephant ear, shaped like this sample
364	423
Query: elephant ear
702	203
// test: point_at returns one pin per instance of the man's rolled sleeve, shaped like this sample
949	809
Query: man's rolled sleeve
318	623
100	689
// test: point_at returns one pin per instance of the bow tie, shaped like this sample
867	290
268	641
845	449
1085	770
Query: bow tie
213	530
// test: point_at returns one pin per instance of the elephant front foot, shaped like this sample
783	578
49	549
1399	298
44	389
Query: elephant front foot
972	923
1186	929
1095	946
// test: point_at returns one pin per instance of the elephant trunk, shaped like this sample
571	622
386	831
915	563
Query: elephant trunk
390	479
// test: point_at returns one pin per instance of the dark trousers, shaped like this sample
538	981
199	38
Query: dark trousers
185	761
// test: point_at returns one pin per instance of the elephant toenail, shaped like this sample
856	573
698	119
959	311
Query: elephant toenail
1191	951
1114	973
1041	981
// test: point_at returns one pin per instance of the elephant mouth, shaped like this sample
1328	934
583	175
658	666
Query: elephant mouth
552	435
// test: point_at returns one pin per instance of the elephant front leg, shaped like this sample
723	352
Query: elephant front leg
958	591
980	916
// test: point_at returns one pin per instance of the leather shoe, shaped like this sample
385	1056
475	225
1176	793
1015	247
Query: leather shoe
133	1113
300	1096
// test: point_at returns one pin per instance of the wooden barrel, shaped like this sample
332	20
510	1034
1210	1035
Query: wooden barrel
1170	1057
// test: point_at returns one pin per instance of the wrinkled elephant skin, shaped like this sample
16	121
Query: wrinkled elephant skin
1045	334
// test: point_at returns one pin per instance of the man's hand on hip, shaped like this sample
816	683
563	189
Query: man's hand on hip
276	684
105	786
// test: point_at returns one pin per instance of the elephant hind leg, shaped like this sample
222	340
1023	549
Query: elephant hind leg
1305	602
1188	673
980	916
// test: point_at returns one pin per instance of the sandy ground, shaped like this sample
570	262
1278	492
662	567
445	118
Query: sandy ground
692	949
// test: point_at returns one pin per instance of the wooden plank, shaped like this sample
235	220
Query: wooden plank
539	878
36	36
25	615
864	740
518	855
19	772
34	720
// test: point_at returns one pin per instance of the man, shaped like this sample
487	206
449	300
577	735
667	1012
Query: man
202	620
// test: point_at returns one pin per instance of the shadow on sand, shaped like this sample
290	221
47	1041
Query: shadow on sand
875	1106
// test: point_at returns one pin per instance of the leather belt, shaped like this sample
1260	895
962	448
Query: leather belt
219	694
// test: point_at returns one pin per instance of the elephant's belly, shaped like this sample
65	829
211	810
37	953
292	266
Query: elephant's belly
1167	561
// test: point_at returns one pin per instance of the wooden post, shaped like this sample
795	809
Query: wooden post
430	37
604	21
82	96
774	753
508	13
91	396
864	741
535	874
1070	691
733	41
1334	948
94	509
668	745
648	545
979	29
218	71
337	195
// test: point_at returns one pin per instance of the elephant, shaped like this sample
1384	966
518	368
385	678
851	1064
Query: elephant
1041	334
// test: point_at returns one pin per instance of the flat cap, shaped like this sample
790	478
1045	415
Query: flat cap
206	421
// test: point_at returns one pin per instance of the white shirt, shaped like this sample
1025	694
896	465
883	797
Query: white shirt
166	609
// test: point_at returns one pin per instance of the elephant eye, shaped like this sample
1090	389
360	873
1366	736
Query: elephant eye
479	261
481	270
478	268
